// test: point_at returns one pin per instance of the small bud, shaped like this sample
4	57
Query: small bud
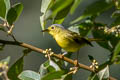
44	51
50	49
93	63
9	32
0	73
71	69
1	64
96	63
5	63
74	71
51	53
4	24
96	67
46	56
91	66
116	35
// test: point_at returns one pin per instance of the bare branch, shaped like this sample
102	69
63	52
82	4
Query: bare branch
54	55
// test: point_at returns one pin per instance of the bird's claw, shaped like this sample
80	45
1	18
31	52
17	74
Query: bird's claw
61	56
73	70
76	62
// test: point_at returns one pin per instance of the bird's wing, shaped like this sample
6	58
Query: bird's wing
78	39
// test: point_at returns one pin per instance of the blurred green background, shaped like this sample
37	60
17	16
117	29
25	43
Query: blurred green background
27	29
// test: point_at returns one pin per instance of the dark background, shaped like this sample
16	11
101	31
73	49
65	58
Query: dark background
27	29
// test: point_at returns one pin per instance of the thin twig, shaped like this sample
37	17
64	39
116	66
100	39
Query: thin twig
39	50
5	75
13	37
4	70
9	30
1	25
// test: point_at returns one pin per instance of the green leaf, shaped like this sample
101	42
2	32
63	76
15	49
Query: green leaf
59	21
105	44
57	7
44	7
93	76
53	75
16	69
47	67
75	5
2	46
54	65
116	21
2	28
95	8
104	73
60	5
117	49
26	51
91	58
101	75
6	60
43	71
116	53
117	4
29	75
116	13
2	9
74	28
14	13
67	77
83	28
50	70
117	60
59	18
7	3
108	36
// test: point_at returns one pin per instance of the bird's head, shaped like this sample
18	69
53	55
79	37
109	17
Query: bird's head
54	29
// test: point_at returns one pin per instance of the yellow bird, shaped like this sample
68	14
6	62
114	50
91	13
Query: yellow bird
66	39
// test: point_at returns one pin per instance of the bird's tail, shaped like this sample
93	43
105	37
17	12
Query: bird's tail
94	39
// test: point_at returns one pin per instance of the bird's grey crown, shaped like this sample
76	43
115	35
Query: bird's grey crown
58	25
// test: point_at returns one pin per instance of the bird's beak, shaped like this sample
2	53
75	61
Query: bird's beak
45	30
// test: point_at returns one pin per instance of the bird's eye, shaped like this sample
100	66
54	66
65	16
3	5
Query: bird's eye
52	27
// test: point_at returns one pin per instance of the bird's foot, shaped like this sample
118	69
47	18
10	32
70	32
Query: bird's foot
75	62
48	53
61	56
74	69
94	65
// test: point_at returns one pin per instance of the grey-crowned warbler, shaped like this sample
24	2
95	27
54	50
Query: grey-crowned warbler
66	39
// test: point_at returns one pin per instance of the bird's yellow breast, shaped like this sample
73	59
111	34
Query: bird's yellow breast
67	43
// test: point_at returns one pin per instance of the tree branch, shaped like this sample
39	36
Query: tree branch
54	55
